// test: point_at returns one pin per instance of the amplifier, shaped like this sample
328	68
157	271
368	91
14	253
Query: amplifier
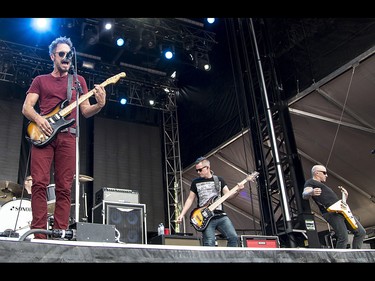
256	241
116	195
176	240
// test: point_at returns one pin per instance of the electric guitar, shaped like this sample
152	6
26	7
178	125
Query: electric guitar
56	117
343	208
201	216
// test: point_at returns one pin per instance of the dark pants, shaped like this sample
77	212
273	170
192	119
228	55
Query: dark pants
341	228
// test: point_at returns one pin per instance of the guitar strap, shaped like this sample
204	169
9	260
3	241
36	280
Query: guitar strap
218	188
217	185
70	84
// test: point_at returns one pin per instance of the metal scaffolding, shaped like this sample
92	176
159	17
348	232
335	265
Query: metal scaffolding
173	170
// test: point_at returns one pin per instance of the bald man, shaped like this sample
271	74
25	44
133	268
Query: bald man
328	201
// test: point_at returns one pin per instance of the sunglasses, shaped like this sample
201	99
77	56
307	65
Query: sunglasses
200	170
62	54
324	172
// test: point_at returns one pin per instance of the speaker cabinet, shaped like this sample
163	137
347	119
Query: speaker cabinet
129	220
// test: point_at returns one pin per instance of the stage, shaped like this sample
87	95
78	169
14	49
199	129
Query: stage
12	250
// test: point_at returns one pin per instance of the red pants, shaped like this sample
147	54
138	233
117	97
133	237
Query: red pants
62	153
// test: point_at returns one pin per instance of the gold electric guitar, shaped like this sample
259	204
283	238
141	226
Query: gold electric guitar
56	117
343	208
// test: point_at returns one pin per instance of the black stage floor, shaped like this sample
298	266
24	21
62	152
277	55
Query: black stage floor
12	250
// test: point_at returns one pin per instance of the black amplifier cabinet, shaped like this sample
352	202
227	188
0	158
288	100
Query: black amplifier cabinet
129	220
116	195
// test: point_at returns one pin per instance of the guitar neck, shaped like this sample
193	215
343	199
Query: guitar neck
343	194
214	205
66	110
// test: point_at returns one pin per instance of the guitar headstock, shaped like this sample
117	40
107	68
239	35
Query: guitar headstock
115	78
252	176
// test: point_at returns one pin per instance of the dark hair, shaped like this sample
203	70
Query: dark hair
59	40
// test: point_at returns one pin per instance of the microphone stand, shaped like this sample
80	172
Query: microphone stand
77	86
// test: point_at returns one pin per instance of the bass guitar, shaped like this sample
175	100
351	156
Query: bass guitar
201	216
56	118
343	208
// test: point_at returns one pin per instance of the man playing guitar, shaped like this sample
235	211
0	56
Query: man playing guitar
335	211
204	189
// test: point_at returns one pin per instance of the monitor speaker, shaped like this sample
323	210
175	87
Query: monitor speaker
129	220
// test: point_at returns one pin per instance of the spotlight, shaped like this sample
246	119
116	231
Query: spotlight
149	96
123	101
168	54
167	51
148	39
108	24
202	61
120	41
90	33
210	20
207	66
42	24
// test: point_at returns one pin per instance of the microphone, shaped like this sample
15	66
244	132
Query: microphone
71	69
69	55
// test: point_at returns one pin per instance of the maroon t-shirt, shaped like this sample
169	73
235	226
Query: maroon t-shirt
52	92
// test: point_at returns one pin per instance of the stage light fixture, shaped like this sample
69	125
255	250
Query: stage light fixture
123	101
202	61
90	33
108	24
148	39
88	64
210	20
120	41
168	54
167	51
207	66
42	24
188	44
148	95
